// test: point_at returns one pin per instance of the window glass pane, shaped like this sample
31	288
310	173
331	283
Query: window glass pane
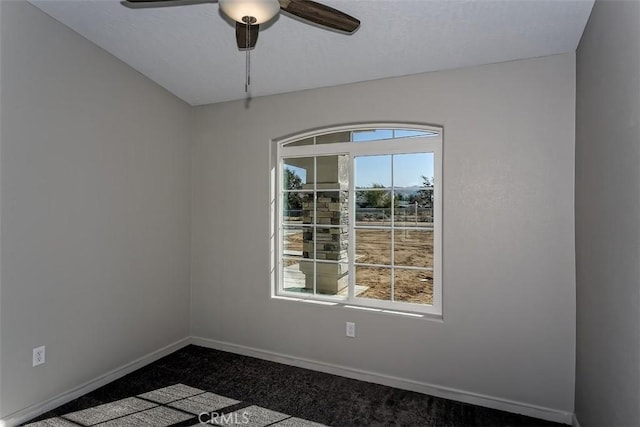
414	286
413	248
404	213
294	278
332	278
331	138
293	207
372	172
332	208
332	172
308	207
292	238
289	262
373	246
372	135
308	243
373	282
425	216
407	133
413	181
306	141
298	173
412	172
331	244
366	212
344	279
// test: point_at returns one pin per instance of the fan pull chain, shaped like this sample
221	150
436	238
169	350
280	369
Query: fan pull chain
248	60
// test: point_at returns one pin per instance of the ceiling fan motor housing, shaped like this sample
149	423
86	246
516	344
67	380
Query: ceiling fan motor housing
253	12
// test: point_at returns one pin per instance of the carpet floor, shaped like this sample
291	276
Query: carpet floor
200	386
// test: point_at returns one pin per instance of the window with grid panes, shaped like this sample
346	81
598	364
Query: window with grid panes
359	217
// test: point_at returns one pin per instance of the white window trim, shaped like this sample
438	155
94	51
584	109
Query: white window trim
432	144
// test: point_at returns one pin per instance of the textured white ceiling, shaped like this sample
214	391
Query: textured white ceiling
191	50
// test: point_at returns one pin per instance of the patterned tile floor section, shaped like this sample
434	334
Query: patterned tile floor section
179	405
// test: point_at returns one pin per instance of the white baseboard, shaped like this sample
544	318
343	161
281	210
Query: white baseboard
40	408
548	414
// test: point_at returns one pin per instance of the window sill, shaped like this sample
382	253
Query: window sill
398	313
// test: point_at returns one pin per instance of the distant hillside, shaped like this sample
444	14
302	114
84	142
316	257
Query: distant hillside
408	191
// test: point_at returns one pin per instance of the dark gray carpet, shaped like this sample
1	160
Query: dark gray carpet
239	390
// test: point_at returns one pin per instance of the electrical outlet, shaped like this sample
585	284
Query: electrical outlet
38	356
351	329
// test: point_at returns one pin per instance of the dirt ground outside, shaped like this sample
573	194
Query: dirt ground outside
411	248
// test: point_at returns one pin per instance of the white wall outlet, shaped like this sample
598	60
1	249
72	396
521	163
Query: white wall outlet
351	329
38	356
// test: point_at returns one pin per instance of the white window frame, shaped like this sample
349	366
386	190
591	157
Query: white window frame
409	145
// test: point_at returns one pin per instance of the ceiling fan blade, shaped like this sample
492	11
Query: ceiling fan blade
246	39
143	4
320	14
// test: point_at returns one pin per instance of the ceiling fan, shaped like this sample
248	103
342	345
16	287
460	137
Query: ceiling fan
249	14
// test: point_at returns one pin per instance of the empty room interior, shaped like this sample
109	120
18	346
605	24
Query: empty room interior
375	213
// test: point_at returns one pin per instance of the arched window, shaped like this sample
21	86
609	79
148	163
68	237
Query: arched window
358	217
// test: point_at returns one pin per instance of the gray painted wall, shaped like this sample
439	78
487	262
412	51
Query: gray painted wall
509	265
95	186
0	213
607	217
